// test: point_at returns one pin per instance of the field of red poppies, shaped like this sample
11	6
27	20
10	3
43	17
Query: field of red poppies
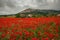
44	28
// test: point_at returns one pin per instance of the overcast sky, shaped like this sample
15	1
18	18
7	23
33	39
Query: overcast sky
16	6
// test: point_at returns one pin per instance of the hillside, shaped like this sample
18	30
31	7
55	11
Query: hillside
34	13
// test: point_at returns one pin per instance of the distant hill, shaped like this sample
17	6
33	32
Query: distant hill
35	12
38	10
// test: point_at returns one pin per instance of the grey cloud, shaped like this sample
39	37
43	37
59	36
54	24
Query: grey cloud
15	6
48	4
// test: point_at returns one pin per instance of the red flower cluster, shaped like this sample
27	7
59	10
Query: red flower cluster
29	28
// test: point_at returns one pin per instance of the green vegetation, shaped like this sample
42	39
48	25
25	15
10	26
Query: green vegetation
35	13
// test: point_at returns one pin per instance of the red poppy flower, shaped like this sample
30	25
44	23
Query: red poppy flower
34	39
3	35
45	38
